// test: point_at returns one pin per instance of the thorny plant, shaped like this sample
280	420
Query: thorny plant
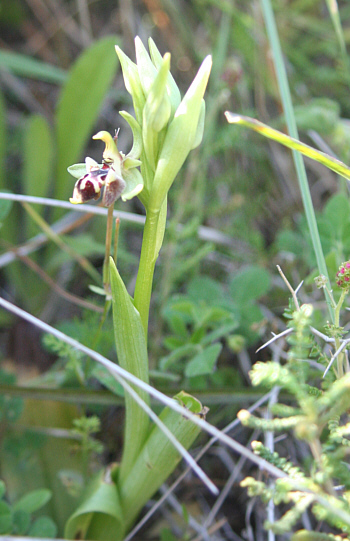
318	416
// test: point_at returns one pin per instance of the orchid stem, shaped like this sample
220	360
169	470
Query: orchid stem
116	238
109	232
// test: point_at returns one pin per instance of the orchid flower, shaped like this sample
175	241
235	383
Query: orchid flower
117	173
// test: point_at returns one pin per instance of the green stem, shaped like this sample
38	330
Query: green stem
109	232
151	243
143	287
292	129
341	357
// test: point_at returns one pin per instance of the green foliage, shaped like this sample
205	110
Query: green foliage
315	419
11	407
18	519
334	227
84	427
207	314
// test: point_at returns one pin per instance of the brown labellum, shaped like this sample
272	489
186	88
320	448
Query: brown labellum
113	191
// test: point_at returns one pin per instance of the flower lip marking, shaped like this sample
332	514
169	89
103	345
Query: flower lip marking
118	174
89	186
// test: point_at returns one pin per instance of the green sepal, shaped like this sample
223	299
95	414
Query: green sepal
134	183
156	114
172	88
132	356
158	458
100	515
132	82
146	69
157	109
136	150
181	136
130	163
200	127
77	170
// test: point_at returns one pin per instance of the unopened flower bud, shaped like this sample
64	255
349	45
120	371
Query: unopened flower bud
321	281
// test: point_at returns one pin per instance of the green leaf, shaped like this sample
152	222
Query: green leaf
337	211
220	332
204	362
2	142
178	355
203	288
251	283
5	207
33	500
37	162
80	103
319	114
100	514
158	458
132	356
2	489
14	408
43	527
180	306
5	518
335	165
38	153
21	522
178	325
103	376
27	66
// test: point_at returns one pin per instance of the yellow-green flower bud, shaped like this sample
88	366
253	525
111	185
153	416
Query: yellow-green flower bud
146	69
181	136
156	113
132	82
172	88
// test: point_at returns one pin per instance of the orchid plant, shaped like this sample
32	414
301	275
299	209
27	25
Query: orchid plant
165	129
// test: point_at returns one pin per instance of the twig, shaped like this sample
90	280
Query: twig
51	283
120	374
204	233
274	338
293	292
339	350
181	477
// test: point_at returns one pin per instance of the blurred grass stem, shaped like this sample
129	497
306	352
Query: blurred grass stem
293	132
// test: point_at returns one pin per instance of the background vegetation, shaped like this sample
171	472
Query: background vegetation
234	213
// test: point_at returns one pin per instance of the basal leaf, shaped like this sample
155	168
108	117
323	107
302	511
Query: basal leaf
100	515
132	356
37	160
158	457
